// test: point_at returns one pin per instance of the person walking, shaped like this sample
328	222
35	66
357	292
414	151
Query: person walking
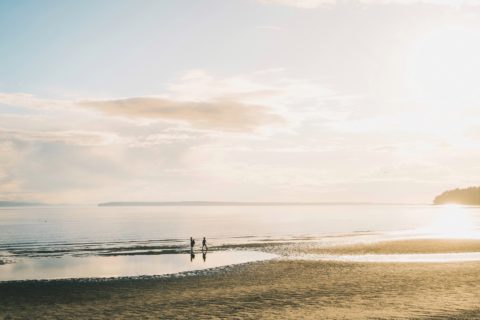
192	243
204	244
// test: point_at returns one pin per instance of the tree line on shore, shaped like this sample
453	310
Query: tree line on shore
468	196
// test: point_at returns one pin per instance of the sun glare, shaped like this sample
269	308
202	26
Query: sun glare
444	66
453	222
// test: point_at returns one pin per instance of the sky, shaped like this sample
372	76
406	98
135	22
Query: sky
238	100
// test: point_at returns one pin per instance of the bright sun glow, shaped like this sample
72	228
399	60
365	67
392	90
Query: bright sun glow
443	66
453	222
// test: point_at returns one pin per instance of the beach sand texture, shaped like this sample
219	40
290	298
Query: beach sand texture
282	289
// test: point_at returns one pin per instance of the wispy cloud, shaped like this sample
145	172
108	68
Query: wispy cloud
27	100
74	137
217	114
242	103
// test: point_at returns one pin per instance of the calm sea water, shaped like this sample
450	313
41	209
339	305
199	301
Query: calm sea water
47	231
76	242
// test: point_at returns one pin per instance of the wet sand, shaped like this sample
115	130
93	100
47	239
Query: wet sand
406	246
289	289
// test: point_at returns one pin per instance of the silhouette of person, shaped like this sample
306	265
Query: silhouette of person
204	256
204	244
192	243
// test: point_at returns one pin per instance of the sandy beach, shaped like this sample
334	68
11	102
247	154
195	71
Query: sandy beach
288	289
240	159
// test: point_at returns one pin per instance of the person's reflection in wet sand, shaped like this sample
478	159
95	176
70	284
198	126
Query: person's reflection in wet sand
192	244
204	255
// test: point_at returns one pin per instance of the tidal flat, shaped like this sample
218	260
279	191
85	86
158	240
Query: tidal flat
274	289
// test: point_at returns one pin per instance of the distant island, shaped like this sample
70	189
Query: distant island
467	196
19	204
226	203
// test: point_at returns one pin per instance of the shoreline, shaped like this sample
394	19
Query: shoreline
412	250
271	289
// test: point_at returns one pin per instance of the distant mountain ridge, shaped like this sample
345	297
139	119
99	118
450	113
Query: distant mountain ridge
467	196
19	204
224	203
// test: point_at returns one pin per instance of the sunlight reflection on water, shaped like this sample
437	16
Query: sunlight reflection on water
122	266
452	221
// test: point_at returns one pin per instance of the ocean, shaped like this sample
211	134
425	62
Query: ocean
33	235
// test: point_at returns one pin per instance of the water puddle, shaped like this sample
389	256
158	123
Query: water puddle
68	267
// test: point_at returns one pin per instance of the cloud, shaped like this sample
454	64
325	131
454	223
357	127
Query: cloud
73	137
218	114
9	186
295	99
310	4
30	101
198	100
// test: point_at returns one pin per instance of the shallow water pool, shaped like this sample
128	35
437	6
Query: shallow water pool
67	267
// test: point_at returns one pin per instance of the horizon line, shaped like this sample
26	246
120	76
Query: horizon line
246	203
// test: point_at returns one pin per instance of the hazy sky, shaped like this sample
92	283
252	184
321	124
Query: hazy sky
241	100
